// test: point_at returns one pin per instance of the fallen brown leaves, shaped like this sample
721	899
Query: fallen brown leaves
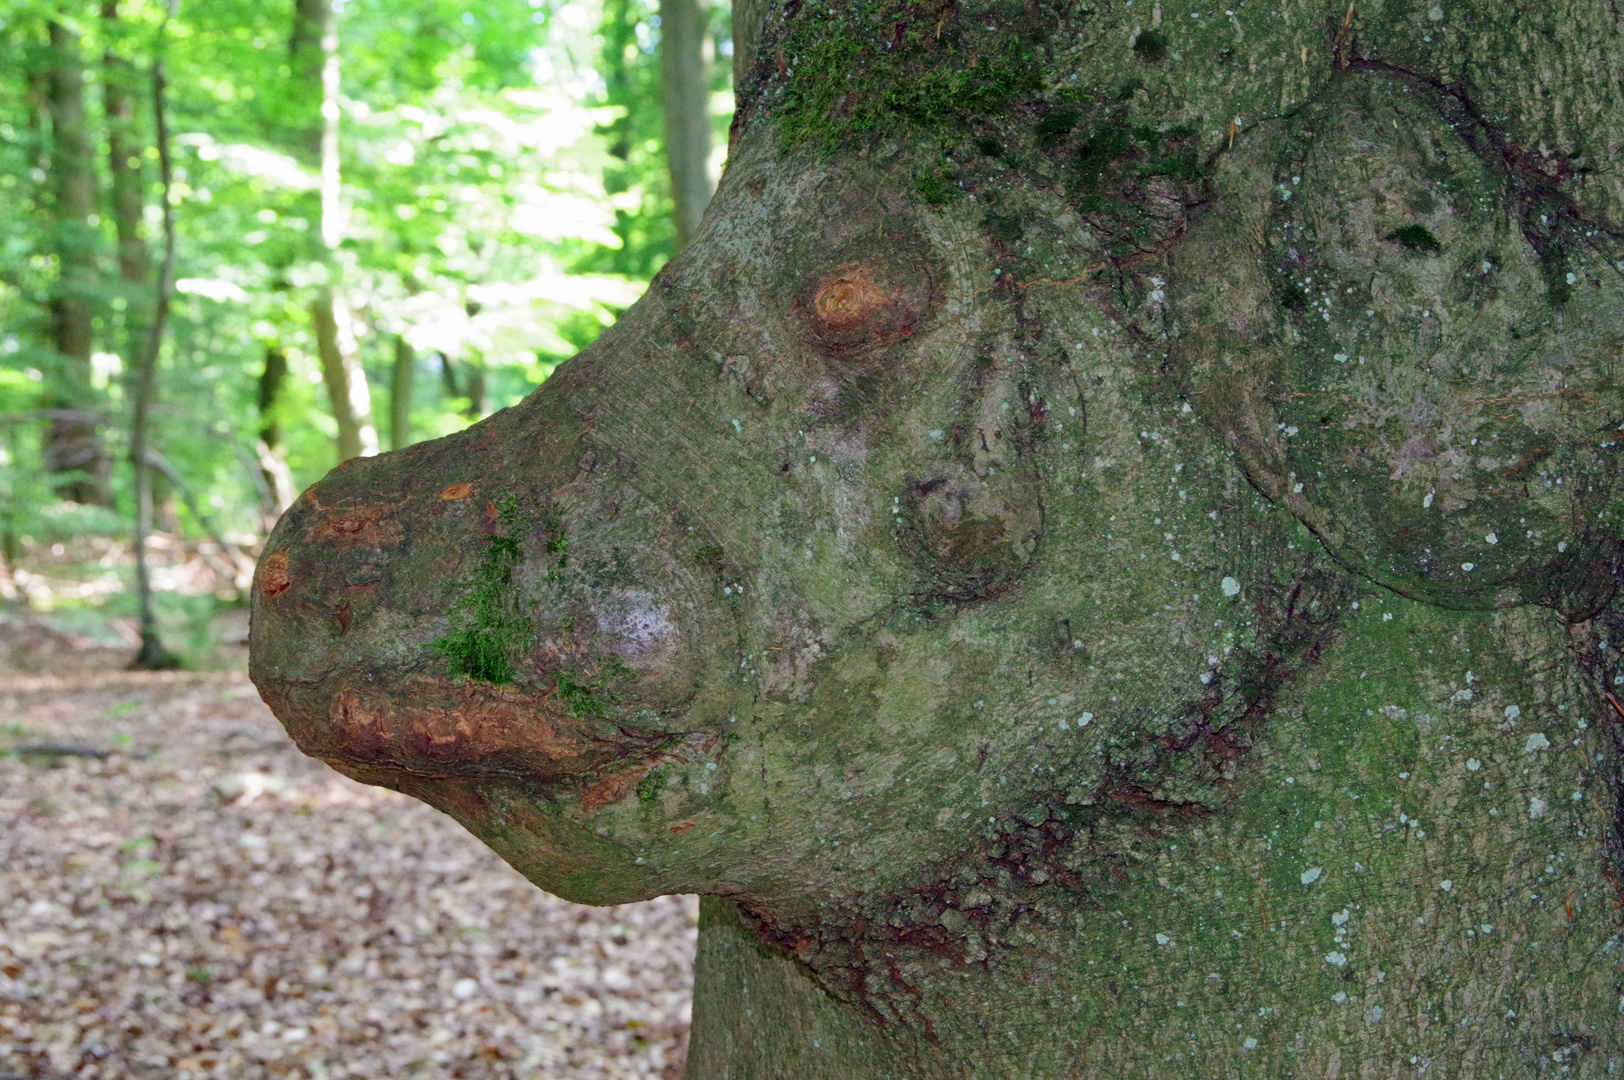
208	902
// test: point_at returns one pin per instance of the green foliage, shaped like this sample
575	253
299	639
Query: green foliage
503	199
628	60
486	626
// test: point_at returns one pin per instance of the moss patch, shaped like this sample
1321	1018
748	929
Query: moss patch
1416	238
891	63
1150	45
589	700
486	627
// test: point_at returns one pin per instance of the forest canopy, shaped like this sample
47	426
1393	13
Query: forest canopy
390	220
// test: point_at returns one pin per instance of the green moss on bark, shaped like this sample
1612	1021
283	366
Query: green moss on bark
486	626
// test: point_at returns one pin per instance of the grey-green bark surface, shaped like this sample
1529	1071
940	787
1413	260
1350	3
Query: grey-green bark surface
1100	558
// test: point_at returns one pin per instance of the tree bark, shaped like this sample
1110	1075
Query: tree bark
1102	560
400	394
73	446
685	93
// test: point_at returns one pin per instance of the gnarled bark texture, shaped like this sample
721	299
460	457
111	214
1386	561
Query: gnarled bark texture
1100	559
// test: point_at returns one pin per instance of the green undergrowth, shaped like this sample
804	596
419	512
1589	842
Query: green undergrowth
486	628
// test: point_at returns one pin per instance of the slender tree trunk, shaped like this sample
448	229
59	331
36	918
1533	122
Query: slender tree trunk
271	379
347	392
473	385
306	88
124	166
273	468
73	445
685	91
400	394
1101	560
152	656
315	64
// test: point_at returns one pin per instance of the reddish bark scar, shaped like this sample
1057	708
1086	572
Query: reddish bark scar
274	579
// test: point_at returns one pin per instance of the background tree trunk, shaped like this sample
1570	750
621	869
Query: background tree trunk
273	466
685	91
400	394
73	445
152	655
1104	562
120	95
314	53
341	372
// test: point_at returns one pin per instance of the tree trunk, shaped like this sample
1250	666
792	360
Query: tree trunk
124	148
273	467
346	382
306	88
400	394
1101	561
152	655
313	51
73	445
685	94
473	385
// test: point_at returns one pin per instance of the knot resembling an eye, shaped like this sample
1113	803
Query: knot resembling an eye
849	299
860	306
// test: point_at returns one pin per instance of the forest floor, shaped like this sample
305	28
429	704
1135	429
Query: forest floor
183	894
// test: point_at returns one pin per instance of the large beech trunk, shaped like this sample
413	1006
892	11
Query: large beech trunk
1099	559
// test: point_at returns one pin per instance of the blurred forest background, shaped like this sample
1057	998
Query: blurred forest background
244	240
